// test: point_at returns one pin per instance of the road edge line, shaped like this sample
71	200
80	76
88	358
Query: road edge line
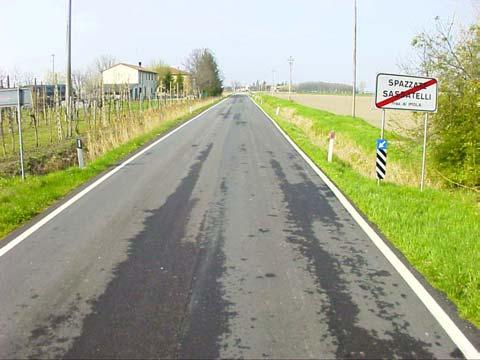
452	330
33	228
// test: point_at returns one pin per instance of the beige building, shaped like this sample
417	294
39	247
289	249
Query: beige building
176	72
141	82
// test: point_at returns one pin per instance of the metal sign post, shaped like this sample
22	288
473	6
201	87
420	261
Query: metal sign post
382	131
424	154
20	139
414	93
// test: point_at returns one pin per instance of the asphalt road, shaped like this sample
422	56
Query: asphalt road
218	242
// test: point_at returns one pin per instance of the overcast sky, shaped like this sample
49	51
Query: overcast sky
249	37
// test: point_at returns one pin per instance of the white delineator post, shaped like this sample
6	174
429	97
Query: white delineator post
277	111
331	141
81	162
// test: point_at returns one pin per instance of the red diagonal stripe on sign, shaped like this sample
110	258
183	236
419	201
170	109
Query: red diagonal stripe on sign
406	93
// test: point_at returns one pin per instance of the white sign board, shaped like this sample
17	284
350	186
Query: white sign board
401	92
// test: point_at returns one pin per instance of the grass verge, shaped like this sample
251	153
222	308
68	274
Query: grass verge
21	200
438	230
361	132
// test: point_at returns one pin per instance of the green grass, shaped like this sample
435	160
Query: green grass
437	230
22	200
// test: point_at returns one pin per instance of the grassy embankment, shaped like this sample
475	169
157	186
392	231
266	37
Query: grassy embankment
438	230
22	200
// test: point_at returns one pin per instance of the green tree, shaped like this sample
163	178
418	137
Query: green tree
167	80
162	69
180	82
205	72
455	131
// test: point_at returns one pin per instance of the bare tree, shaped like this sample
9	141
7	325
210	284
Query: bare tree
160	67
23	78
49	78
3	78
236	85
103	62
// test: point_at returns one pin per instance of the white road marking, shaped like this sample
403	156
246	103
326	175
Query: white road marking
435	309
9	246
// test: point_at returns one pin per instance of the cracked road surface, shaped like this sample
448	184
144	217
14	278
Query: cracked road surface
220	241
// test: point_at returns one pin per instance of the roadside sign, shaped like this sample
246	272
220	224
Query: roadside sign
9	97
401	92
381	162
17	97
382	144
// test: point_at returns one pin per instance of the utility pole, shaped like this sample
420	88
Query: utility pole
354	56
53	68
425	130
273	81
290	62
68	90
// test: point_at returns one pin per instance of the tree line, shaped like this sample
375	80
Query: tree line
201	67
323	87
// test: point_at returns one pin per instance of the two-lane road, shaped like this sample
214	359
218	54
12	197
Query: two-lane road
218	241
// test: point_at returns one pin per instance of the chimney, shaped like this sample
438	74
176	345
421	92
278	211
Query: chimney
140	64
